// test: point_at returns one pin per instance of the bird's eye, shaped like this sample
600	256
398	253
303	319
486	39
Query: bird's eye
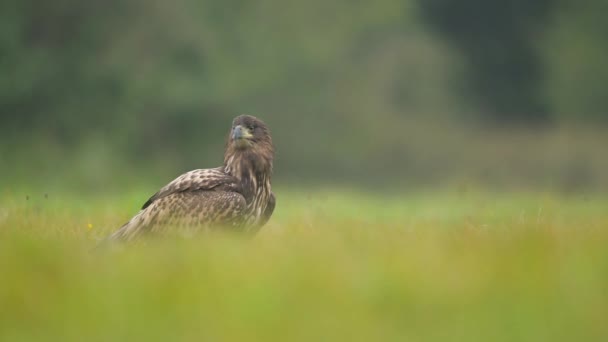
250	128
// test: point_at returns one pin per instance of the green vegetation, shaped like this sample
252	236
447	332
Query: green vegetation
331	265
92	91
99	98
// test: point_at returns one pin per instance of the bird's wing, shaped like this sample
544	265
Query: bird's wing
185	213
202	179
196	199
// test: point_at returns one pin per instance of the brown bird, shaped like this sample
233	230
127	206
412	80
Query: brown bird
236	195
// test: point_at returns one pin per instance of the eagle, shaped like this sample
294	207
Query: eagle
236	196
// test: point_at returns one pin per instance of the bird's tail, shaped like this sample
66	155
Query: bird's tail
123	234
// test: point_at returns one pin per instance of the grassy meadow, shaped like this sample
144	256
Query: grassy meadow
331	265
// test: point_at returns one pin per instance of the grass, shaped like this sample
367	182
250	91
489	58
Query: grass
331	265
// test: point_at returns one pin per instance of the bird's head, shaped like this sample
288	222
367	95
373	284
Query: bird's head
249	140
248	132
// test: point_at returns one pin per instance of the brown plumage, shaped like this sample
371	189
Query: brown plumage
237	195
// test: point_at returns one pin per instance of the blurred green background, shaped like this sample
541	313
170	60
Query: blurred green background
99	94
485	120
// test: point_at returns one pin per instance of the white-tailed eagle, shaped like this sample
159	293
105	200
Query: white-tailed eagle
236	195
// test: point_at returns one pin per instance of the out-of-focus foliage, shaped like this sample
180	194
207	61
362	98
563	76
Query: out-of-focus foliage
363	92
329	266
498	40
576	53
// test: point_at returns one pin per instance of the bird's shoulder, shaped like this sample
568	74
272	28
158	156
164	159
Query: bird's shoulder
201	179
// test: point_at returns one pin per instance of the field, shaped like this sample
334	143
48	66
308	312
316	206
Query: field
330	266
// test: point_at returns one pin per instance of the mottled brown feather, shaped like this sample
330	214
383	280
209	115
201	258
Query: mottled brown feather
236	195
201	179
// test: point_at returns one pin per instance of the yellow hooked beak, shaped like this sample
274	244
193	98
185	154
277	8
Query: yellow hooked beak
241	135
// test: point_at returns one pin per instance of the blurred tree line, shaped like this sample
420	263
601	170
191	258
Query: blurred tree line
133	80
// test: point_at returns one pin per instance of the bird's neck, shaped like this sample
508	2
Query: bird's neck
252	170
